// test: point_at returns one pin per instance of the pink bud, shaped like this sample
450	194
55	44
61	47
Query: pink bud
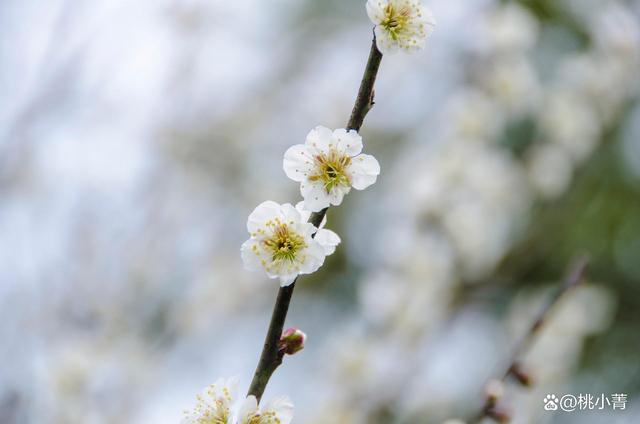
292	341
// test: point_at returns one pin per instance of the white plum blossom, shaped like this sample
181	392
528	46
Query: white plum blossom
572	122
550	169
510	28
618	30
278	411
213	406
400	24
472	114
216	406
328	165
282	243
514	83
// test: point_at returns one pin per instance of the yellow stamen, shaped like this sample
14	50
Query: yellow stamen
332	170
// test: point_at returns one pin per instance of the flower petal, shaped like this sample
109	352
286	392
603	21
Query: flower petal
328	240
252	255
314	195
375	10
261	214
298	162
289	213
305	214
306	230
429	21
320	138
248	409
384	42
364	171
348	142
282	407
231	384
287	280
337	194
314	258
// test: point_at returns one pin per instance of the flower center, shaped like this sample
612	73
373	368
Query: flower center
331	170
395	20
218	415
254	419
266	417
284	244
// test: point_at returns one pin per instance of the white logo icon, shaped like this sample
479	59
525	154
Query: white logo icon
550	403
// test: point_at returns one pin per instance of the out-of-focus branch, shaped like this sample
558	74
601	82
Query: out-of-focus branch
271	356
513	367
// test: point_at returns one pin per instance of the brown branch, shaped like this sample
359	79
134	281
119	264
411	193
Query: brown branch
513	367
365	99
271	356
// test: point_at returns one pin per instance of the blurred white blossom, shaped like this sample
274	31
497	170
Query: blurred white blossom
513	82
550	169
508	29
556	351
567	119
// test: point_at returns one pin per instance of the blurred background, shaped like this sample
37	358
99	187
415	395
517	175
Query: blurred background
136	137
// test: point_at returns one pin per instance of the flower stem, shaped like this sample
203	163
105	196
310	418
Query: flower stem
271	357
365	99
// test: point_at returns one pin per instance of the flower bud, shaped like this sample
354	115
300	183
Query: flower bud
292	341
494	390
521	375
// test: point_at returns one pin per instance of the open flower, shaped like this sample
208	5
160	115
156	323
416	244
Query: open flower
278	411
327	238
400	24
328	165
282	242
213	406
216	405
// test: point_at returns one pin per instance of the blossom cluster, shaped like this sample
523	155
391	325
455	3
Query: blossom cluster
99	359
282	242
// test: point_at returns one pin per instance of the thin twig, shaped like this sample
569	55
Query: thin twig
573	279
271	357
